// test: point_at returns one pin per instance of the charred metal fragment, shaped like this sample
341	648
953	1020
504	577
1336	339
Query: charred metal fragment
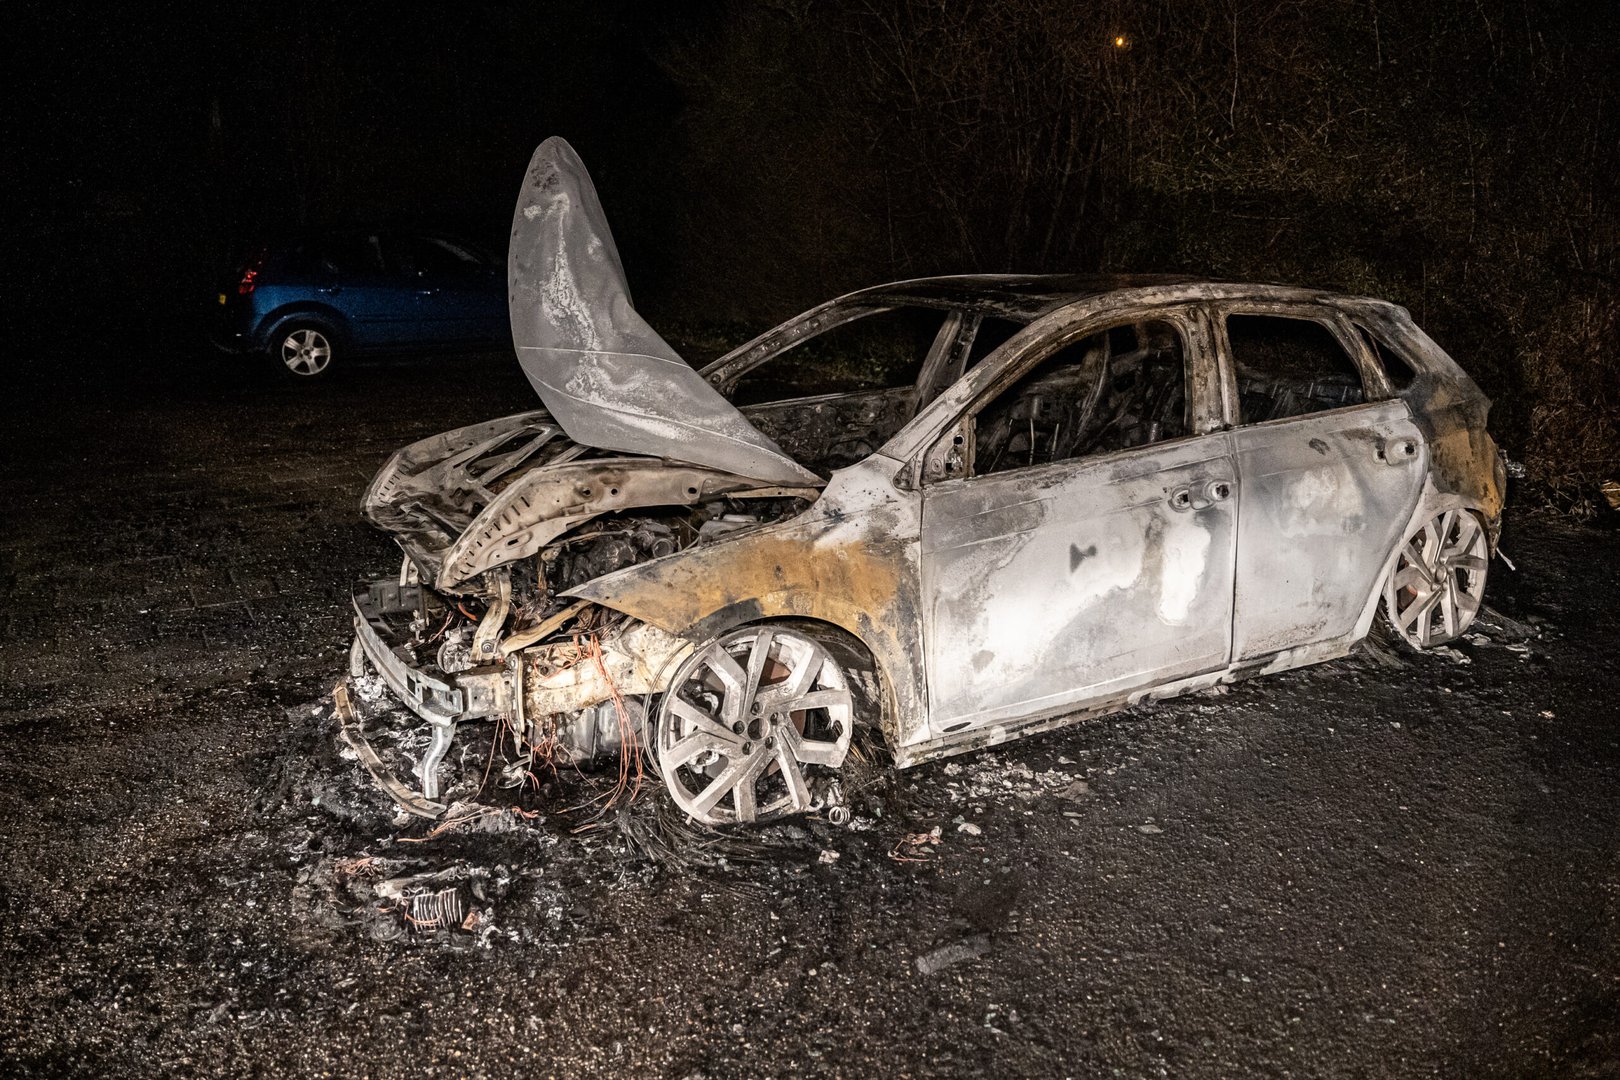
351	733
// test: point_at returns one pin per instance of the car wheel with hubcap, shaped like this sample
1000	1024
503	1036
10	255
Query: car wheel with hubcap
756	723
1437	584
303	349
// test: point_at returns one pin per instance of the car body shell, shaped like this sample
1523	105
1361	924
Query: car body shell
368	291
997	605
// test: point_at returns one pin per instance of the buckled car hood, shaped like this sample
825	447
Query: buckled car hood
606	376
491	494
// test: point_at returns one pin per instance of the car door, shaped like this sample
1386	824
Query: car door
352	278
1088	549
1330	469
455	295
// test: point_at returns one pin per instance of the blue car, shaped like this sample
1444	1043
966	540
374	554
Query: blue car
307	303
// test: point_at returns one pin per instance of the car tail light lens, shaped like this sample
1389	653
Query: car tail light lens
250	276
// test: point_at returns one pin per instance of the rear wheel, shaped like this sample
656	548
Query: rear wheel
304	350
757	723
1437	584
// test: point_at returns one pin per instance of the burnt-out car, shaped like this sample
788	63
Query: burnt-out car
942	513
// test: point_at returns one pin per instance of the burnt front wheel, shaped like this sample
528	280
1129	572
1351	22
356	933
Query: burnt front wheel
756	724
1435	588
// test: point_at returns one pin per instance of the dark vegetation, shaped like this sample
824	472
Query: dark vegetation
1458	158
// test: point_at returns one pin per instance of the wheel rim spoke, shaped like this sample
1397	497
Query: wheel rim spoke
812	751
1431	548
1417	616
1448	608
797	684
1410	577
1415	609
702	721
737	771
693	745
1467	530
758	657
734	678
817	699
1417	562
792	775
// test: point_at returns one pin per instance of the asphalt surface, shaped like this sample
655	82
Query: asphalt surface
1393	865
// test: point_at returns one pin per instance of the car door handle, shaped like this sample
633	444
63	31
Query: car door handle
329	290
427	292
1201	495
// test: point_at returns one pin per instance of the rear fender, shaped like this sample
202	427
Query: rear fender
303	311
1433	502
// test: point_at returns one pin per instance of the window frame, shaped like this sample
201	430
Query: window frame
1369	332
1374	385
725	373
463	254
319	253
1203	391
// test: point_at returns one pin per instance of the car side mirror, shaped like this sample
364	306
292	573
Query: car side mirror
948	458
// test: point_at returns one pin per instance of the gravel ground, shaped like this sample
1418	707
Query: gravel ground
1390	865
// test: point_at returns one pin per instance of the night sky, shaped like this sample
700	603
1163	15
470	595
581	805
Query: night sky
1459	158
160	145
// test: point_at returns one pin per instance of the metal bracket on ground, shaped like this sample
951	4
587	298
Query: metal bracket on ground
349	728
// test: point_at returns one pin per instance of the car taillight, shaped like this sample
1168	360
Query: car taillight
250	277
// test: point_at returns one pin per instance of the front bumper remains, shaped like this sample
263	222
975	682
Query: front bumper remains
558	684
442	701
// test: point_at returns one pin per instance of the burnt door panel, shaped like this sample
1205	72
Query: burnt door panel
1049	587
1323	499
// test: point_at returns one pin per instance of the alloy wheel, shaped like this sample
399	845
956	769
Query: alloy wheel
1435	588
753	724
306	351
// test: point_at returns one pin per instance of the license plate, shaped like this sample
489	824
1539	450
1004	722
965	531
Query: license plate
222	298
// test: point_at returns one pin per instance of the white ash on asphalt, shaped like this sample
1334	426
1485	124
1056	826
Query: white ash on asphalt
519	865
